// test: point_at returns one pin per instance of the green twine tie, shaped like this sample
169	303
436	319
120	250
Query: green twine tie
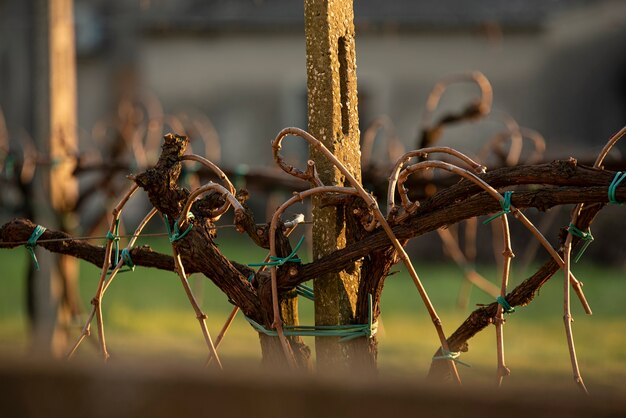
452	356
505	305
32	243
114	236
305	291
345	332
585	236
505	204
279	261
175	234
619	177
127	260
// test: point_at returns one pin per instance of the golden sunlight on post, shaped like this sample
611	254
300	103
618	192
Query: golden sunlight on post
56	189
333	119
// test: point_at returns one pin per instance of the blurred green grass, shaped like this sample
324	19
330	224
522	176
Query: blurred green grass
147	316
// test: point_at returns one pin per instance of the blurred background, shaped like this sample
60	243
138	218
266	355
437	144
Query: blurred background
231	74
556	66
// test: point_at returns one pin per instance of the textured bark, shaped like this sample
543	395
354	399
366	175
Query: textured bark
54	189
199	253
522	295
333	118
541	186
434	213
273	355
374	271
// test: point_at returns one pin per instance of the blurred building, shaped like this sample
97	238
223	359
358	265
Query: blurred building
556	66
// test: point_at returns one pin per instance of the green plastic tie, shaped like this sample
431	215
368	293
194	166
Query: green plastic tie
505	204
114	236
345	332
175	235
452	356
367	330
279	261
32	243
619	177
505	305
585	236
305	291
127	260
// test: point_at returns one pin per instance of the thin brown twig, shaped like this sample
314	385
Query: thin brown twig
99	237
407	204
230	199
411	206
212	167
450	243
514	154
469	253
86	329
130	245
216	213
97	299
373	206
200	316
478	108
309	175
567	249
513	133
470	274
204	127
290	227
239	211
507	255
298	197
423	152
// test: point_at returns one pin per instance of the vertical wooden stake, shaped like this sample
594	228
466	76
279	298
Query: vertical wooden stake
56	189
333	119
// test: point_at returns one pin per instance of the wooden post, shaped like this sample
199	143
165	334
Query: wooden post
333	119
55	189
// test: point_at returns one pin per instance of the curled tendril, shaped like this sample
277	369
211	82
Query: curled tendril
216	213
210	186
424	152
477	108
567	248
512	157
412	206
380	218
310	174
296	198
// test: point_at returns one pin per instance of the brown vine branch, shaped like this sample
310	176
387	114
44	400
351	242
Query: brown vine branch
480	107
380	218
447	207
567	248
435	212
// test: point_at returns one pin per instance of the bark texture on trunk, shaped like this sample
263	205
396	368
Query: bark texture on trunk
333	118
